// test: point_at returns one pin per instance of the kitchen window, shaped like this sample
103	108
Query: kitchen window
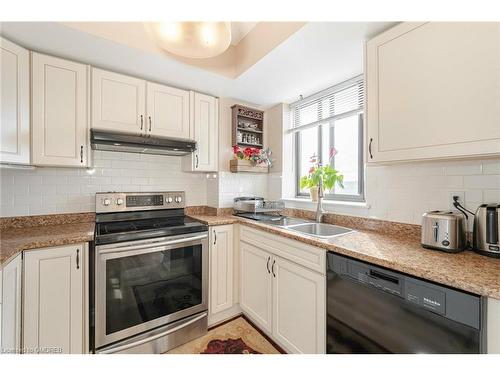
332	120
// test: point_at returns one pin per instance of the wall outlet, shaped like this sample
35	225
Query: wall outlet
461	198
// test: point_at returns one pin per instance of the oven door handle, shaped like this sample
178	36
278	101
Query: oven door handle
151	244
152	338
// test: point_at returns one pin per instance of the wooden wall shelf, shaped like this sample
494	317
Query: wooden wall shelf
236	165
247	127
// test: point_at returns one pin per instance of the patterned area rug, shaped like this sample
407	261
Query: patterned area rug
229	346
234	337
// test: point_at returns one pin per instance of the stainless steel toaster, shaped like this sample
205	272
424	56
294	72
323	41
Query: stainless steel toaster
487	230
444	230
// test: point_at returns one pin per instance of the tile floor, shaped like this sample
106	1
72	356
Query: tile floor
234	329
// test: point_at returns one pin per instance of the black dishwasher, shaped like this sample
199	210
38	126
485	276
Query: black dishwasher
374	310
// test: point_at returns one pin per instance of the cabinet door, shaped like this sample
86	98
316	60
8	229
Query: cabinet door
221	268
11	306
14	103
53	299
433	91
118	102
299	314
168	111
256	285
206	128
59	112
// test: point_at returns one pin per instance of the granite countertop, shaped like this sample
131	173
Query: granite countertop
466	270
392	245
215	219
15	240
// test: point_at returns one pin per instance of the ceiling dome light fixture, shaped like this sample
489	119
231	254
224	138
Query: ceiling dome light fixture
196	40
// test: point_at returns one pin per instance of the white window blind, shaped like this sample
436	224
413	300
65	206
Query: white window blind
333	103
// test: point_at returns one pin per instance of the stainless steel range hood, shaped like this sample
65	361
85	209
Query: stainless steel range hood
143	144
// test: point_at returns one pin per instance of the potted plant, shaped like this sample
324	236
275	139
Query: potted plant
329	176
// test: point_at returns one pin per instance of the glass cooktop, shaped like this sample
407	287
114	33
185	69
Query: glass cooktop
118	231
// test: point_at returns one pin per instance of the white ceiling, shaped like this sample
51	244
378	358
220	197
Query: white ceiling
315	57
239	30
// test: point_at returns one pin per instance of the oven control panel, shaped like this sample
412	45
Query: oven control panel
123	202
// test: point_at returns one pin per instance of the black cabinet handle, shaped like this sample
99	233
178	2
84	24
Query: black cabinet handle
142	122
215	237
196	161
370	148
149	123
267	265
77	259
272	268
81	154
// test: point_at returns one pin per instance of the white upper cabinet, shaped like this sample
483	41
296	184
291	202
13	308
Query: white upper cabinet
433	91
167	111
53	299
59	112
118	102
221	268
14	104
205	131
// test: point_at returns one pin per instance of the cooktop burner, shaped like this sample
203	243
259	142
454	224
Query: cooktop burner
134	225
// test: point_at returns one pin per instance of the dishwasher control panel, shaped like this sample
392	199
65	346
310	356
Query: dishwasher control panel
378	278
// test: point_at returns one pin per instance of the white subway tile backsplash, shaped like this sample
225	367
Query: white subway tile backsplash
473	195
491	196
23	179
491	166
482	182
65	190
463	168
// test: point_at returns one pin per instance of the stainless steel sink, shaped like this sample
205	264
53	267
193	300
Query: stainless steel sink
285	222
320	230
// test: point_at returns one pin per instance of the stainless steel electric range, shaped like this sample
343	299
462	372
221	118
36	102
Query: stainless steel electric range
149	277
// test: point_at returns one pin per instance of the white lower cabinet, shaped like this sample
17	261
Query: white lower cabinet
221	269
298	308
54	300
493	326
285	299
256	286
11	306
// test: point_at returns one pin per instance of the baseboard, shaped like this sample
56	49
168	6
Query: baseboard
224	316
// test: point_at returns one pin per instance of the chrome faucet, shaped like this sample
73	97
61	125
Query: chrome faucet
319	210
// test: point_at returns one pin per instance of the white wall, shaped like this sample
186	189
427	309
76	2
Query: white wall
64	190
234	185
222	190
403	192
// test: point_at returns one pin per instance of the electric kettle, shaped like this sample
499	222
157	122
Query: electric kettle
486	239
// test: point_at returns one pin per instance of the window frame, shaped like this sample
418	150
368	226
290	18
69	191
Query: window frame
360	197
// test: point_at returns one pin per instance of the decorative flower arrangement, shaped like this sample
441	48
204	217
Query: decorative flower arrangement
329	175
254	155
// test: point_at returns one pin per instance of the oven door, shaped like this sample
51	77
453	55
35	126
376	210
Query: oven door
141	285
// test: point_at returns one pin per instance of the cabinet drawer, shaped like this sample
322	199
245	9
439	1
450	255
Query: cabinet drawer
295	251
